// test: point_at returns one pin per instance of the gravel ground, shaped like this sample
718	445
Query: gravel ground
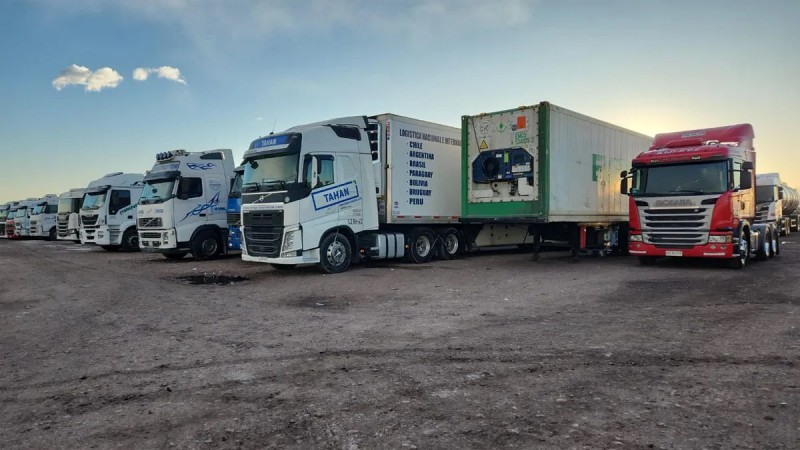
103	350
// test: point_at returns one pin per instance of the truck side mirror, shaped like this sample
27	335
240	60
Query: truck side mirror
314	172
747	165
623	187
780	193
746	180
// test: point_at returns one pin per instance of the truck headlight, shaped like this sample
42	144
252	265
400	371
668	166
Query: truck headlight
290	239
635	238
726	239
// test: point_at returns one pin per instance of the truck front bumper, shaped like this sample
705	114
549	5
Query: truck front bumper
161	241
709	250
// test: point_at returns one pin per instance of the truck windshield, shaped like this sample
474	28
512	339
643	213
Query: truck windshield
67	205
11	215
94	200
271	172
236	186
157	191
22	211
681	179
765	194
38	209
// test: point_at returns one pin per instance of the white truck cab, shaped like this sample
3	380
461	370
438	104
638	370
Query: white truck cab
182	208
22	218
67	222
4	209
43	217
108	211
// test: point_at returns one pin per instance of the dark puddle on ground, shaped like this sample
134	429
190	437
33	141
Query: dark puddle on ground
212	279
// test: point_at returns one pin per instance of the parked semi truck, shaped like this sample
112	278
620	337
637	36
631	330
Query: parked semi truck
235	211
4	208
544	174
692	195
8	229
67	220
334	192
108	211
22	218
183	205
777	203
43	218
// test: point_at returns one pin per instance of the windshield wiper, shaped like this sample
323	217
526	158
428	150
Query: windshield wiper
252	186
688	191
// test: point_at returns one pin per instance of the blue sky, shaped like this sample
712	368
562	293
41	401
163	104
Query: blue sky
233	70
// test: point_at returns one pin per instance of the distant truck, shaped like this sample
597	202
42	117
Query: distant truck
544	174
182	208
43	218
235	212
4	208
22	218
9	231
67	219
108	211
777	203
692	195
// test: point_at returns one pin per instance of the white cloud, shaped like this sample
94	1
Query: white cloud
96	81
165	72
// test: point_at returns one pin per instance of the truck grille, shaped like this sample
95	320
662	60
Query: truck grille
675	227
150	222
263	241
263	218
150	235
89	219
762	213
62	225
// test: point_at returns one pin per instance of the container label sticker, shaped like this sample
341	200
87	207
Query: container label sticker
521	138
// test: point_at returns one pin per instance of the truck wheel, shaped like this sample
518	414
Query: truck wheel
450	244
175	256
52	236
130	240
335	253
773	242
777	246
647	260
740	261
206	245
764	249
420	246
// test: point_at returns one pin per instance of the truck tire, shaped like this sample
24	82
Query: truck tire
451	244
130	240
777	247
420	246
175	256
52	236
206	245
335	253
764	250
647	260
740	261
773	242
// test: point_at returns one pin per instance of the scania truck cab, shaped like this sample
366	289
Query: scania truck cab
235	211
43	217
67	221
108	211
693	195
183	206
777	203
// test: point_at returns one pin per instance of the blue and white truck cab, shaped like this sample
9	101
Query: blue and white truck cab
183	206
235	211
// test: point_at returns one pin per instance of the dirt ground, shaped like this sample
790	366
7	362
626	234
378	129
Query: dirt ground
103	350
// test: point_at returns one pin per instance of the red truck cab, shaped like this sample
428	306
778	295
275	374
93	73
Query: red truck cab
692	194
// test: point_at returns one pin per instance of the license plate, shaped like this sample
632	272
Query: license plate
674	253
